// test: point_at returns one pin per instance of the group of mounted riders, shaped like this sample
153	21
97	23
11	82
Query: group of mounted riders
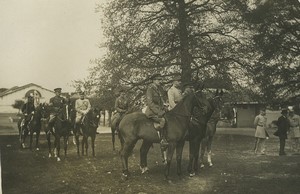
74	113
159	102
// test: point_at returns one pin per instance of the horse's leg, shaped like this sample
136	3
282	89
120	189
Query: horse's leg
37	136
192	147
125	153
66	138
143	156
31	138
202	152
93	137
196	156
170	152
48	136
83	144
86	145
113	129
209	153
179	149
58	148
77	142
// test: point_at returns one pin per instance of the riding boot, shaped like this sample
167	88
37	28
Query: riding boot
163	142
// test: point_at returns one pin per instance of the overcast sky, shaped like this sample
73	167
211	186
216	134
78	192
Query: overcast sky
48	42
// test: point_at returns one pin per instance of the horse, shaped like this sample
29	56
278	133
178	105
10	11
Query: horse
90	124
196	132
34	126
135	126
61	128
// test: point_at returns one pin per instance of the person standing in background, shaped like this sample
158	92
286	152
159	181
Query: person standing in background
260	132
294	132
283	127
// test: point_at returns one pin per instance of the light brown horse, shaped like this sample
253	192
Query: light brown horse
137	126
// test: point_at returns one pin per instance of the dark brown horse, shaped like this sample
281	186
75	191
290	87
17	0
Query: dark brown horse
137	126
61	128
34	126
89	126
199	131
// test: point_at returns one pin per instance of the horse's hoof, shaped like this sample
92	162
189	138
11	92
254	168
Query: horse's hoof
37	149
145	170
49	155
201	165
192	174
23	145
124	177
58	159
210	164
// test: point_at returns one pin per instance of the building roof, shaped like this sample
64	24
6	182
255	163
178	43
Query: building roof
17	88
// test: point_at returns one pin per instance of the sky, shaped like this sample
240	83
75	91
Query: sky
48	42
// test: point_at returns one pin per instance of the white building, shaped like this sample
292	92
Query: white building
8	97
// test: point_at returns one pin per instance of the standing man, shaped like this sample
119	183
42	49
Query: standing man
121	106
294	132
260	122
174	93
283	127
82	107
155	109
56	103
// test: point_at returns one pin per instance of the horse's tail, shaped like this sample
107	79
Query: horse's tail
121	139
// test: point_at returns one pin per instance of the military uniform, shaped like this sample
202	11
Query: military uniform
82	107
121	107
174	96
56	104
27	110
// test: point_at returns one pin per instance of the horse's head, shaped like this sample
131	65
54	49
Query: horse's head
44	110
92	118
217	100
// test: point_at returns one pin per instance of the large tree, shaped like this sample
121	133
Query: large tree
197	39
276	24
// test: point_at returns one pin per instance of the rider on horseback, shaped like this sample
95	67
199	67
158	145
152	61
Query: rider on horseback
56	103
82	107
121	106
28	110
156	108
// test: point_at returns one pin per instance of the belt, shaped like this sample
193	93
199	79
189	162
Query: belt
260	125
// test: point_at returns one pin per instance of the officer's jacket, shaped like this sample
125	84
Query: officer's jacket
155	101
283	126
82	106
57	103
28	108
174	96
121	104
260	120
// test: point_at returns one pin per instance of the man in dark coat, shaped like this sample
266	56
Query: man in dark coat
28	110
283	127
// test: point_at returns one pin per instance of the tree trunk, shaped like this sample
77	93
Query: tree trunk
185	56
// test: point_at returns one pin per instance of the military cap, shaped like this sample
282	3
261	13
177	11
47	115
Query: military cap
284	111
57	90
156	76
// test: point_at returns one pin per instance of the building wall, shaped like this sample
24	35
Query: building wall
245	115
7	101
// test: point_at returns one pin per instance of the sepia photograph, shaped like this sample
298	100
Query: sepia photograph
149	96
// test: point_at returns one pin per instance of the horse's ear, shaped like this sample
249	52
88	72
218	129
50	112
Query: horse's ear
217	92
221	93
